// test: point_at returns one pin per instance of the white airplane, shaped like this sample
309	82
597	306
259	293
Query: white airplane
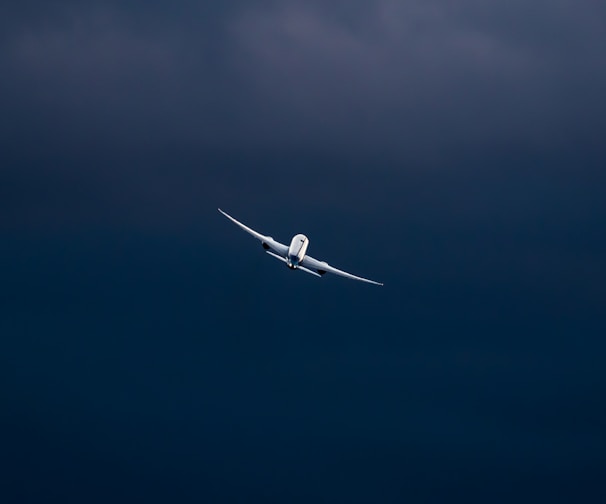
295	256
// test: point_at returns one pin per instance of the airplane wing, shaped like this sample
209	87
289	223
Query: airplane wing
268	241
322	267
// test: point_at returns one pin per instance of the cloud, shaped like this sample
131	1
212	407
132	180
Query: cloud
418	73
414	76
136	103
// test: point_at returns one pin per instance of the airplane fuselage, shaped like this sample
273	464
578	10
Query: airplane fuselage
297	250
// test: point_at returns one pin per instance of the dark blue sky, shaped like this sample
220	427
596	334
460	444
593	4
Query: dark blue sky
149	350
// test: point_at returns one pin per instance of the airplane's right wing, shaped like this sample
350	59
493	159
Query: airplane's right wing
267	241
322	267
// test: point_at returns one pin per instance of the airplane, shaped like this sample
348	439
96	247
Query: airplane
295	256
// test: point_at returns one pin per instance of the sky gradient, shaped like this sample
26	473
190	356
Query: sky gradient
149	349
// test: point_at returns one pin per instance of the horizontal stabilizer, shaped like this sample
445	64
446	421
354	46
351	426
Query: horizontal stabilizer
302	268
283	259
279	257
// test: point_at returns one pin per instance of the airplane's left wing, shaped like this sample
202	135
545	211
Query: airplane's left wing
323	267
267	241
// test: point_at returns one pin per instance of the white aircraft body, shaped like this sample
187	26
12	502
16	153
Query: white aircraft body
295	256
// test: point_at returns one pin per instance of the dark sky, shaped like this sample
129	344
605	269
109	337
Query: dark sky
150	351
